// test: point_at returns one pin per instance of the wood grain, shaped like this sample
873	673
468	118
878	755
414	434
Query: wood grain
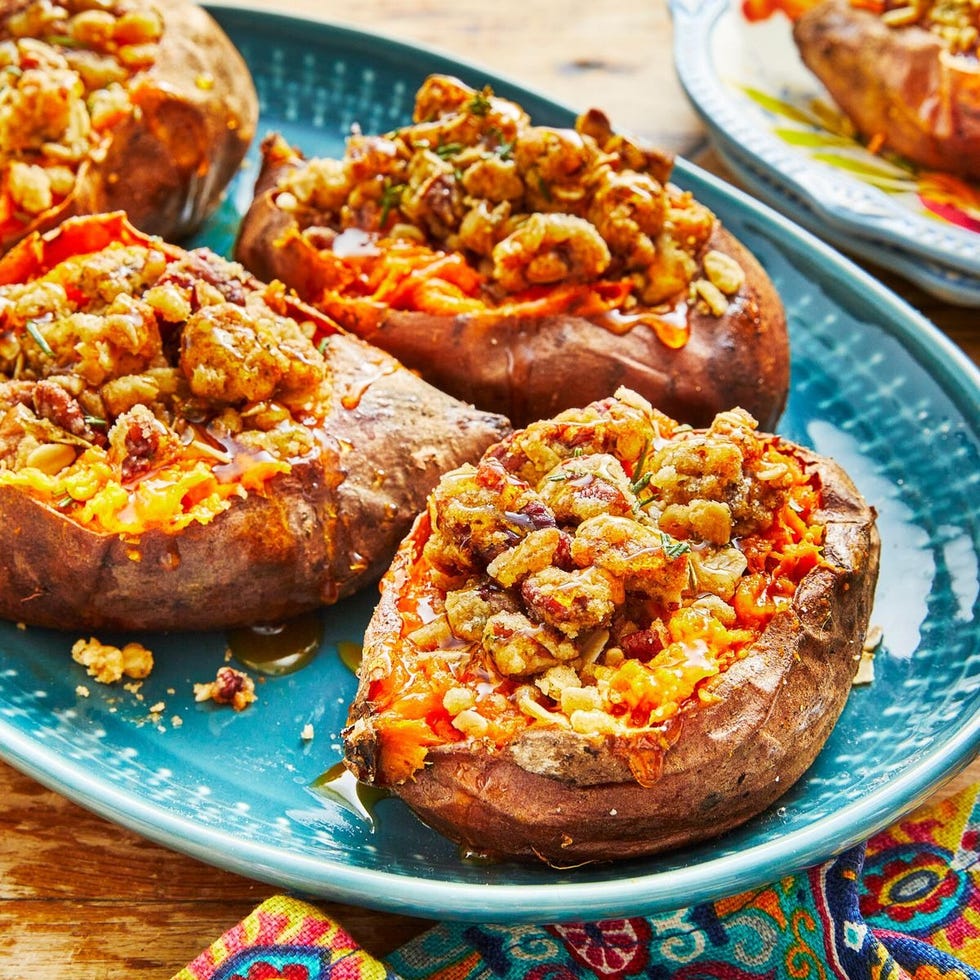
83	899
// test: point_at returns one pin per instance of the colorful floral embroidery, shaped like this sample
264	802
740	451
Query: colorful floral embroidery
904	907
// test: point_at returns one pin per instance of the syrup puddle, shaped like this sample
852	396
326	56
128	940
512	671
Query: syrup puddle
339	785
280	649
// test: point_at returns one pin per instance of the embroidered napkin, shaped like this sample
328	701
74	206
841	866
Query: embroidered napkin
905	906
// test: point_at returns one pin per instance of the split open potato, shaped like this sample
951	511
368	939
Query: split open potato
118	105
184	447
524	268
907	76
615	635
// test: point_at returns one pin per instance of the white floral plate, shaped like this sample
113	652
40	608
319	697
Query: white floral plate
746	81
950	285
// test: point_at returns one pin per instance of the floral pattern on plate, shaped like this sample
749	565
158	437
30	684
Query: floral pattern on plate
746	80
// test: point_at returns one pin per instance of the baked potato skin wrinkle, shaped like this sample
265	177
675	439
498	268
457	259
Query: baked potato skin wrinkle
523	268
685	708
276	482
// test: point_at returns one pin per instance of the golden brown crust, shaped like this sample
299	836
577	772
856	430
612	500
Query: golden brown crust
900	84
168	162
309	537
568	799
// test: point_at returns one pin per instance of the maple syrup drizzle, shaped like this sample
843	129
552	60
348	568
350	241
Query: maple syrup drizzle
339	785
281	648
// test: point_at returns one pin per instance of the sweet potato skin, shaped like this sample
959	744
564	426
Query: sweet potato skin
534	368
897	83
568	799
530	368
312	536
168	163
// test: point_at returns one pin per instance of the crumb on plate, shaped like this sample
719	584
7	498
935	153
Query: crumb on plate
108	664
230	686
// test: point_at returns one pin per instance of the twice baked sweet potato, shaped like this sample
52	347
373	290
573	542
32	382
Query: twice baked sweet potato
524	268
615	635
122	104
907	76
184	447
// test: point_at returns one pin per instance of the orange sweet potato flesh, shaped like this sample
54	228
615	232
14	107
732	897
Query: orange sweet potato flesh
306	538
529	367
565	798
899	84
167	161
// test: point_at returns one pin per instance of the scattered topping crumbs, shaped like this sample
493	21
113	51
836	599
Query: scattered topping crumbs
82	691
307	733
865	673
230	686
108	664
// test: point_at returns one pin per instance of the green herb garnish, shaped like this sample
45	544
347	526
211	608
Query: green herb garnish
32	328
391	197
445	150
480	103
641	479
672	548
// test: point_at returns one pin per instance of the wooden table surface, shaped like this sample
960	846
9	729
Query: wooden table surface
82	898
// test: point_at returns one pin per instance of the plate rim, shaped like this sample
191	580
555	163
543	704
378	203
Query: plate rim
940	282
466	901
659	891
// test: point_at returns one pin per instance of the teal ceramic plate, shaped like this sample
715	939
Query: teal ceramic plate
873	384
748	84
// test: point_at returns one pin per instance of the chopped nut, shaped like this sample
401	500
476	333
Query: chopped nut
108	664
458	699
714	298
530	706
554	680
471	723
596	722
51	457
865	673
307	733
580	699
230	686
724	272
